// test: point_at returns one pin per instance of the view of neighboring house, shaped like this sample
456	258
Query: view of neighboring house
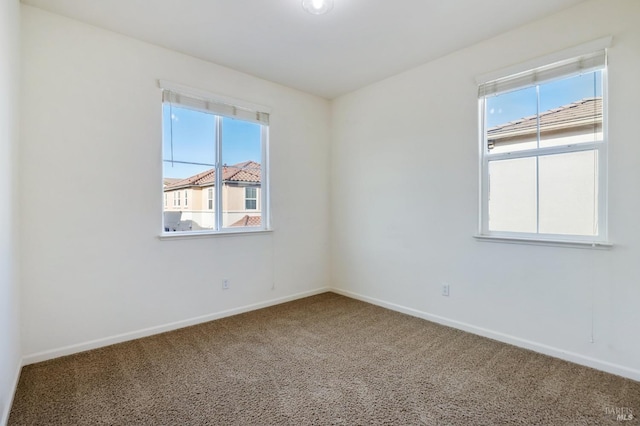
577	122
549	193
189	204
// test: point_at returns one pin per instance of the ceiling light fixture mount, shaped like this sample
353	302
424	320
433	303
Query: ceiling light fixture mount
317	7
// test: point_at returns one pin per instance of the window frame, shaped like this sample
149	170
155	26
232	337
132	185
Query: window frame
600	147
245	109
247	198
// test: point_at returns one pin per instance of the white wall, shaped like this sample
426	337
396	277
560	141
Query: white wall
410	144
93	271
10	352
91	193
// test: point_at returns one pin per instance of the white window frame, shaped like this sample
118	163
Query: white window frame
552	67
220	107
246	198
210	198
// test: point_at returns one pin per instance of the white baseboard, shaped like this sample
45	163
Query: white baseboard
608	367
576	358
98	343
4	416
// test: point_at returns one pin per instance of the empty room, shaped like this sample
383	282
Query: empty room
319	212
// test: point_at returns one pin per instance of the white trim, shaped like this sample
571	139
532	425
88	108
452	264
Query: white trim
483	173
239	231
265	189
552	150
203	94
98	343
603	160
601	365
572	52
4	416
544	241
218	183
576	358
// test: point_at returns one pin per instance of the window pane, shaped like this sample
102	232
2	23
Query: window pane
188	137
188	152
512	195
571	110
186	188
242	159
568	193
511	121
188	160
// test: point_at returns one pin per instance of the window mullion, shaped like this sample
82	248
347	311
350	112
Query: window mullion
537	194
583	146
484	169
603	154
218	172
538	159
264	179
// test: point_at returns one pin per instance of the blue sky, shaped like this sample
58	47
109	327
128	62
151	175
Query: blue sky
193	132
521	103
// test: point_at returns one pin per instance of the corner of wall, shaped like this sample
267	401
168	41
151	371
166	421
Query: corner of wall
10	325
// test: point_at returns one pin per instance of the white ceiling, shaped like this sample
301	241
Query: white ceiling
357	43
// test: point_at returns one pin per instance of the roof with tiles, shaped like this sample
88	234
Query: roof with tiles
585	112
248	221
248	171
169	181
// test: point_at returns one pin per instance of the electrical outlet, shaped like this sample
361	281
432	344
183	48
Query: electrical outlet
225	284
445	289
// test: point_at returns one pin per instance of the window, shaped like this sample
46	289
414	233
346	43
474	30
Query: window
216	152
250	198
176	198
543	152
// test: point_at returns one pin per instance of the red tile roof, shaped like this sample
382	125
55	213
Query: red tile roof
584	112
248	171
248	221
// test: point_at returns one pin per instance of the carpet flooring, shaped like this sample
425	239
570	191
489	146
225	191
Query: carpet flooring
325	359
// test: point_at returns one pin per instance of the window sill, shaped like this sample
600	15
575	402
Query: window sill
187	235
598	245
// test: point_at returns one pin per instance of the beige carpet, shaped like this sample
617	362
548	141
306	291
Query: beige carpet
322	360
